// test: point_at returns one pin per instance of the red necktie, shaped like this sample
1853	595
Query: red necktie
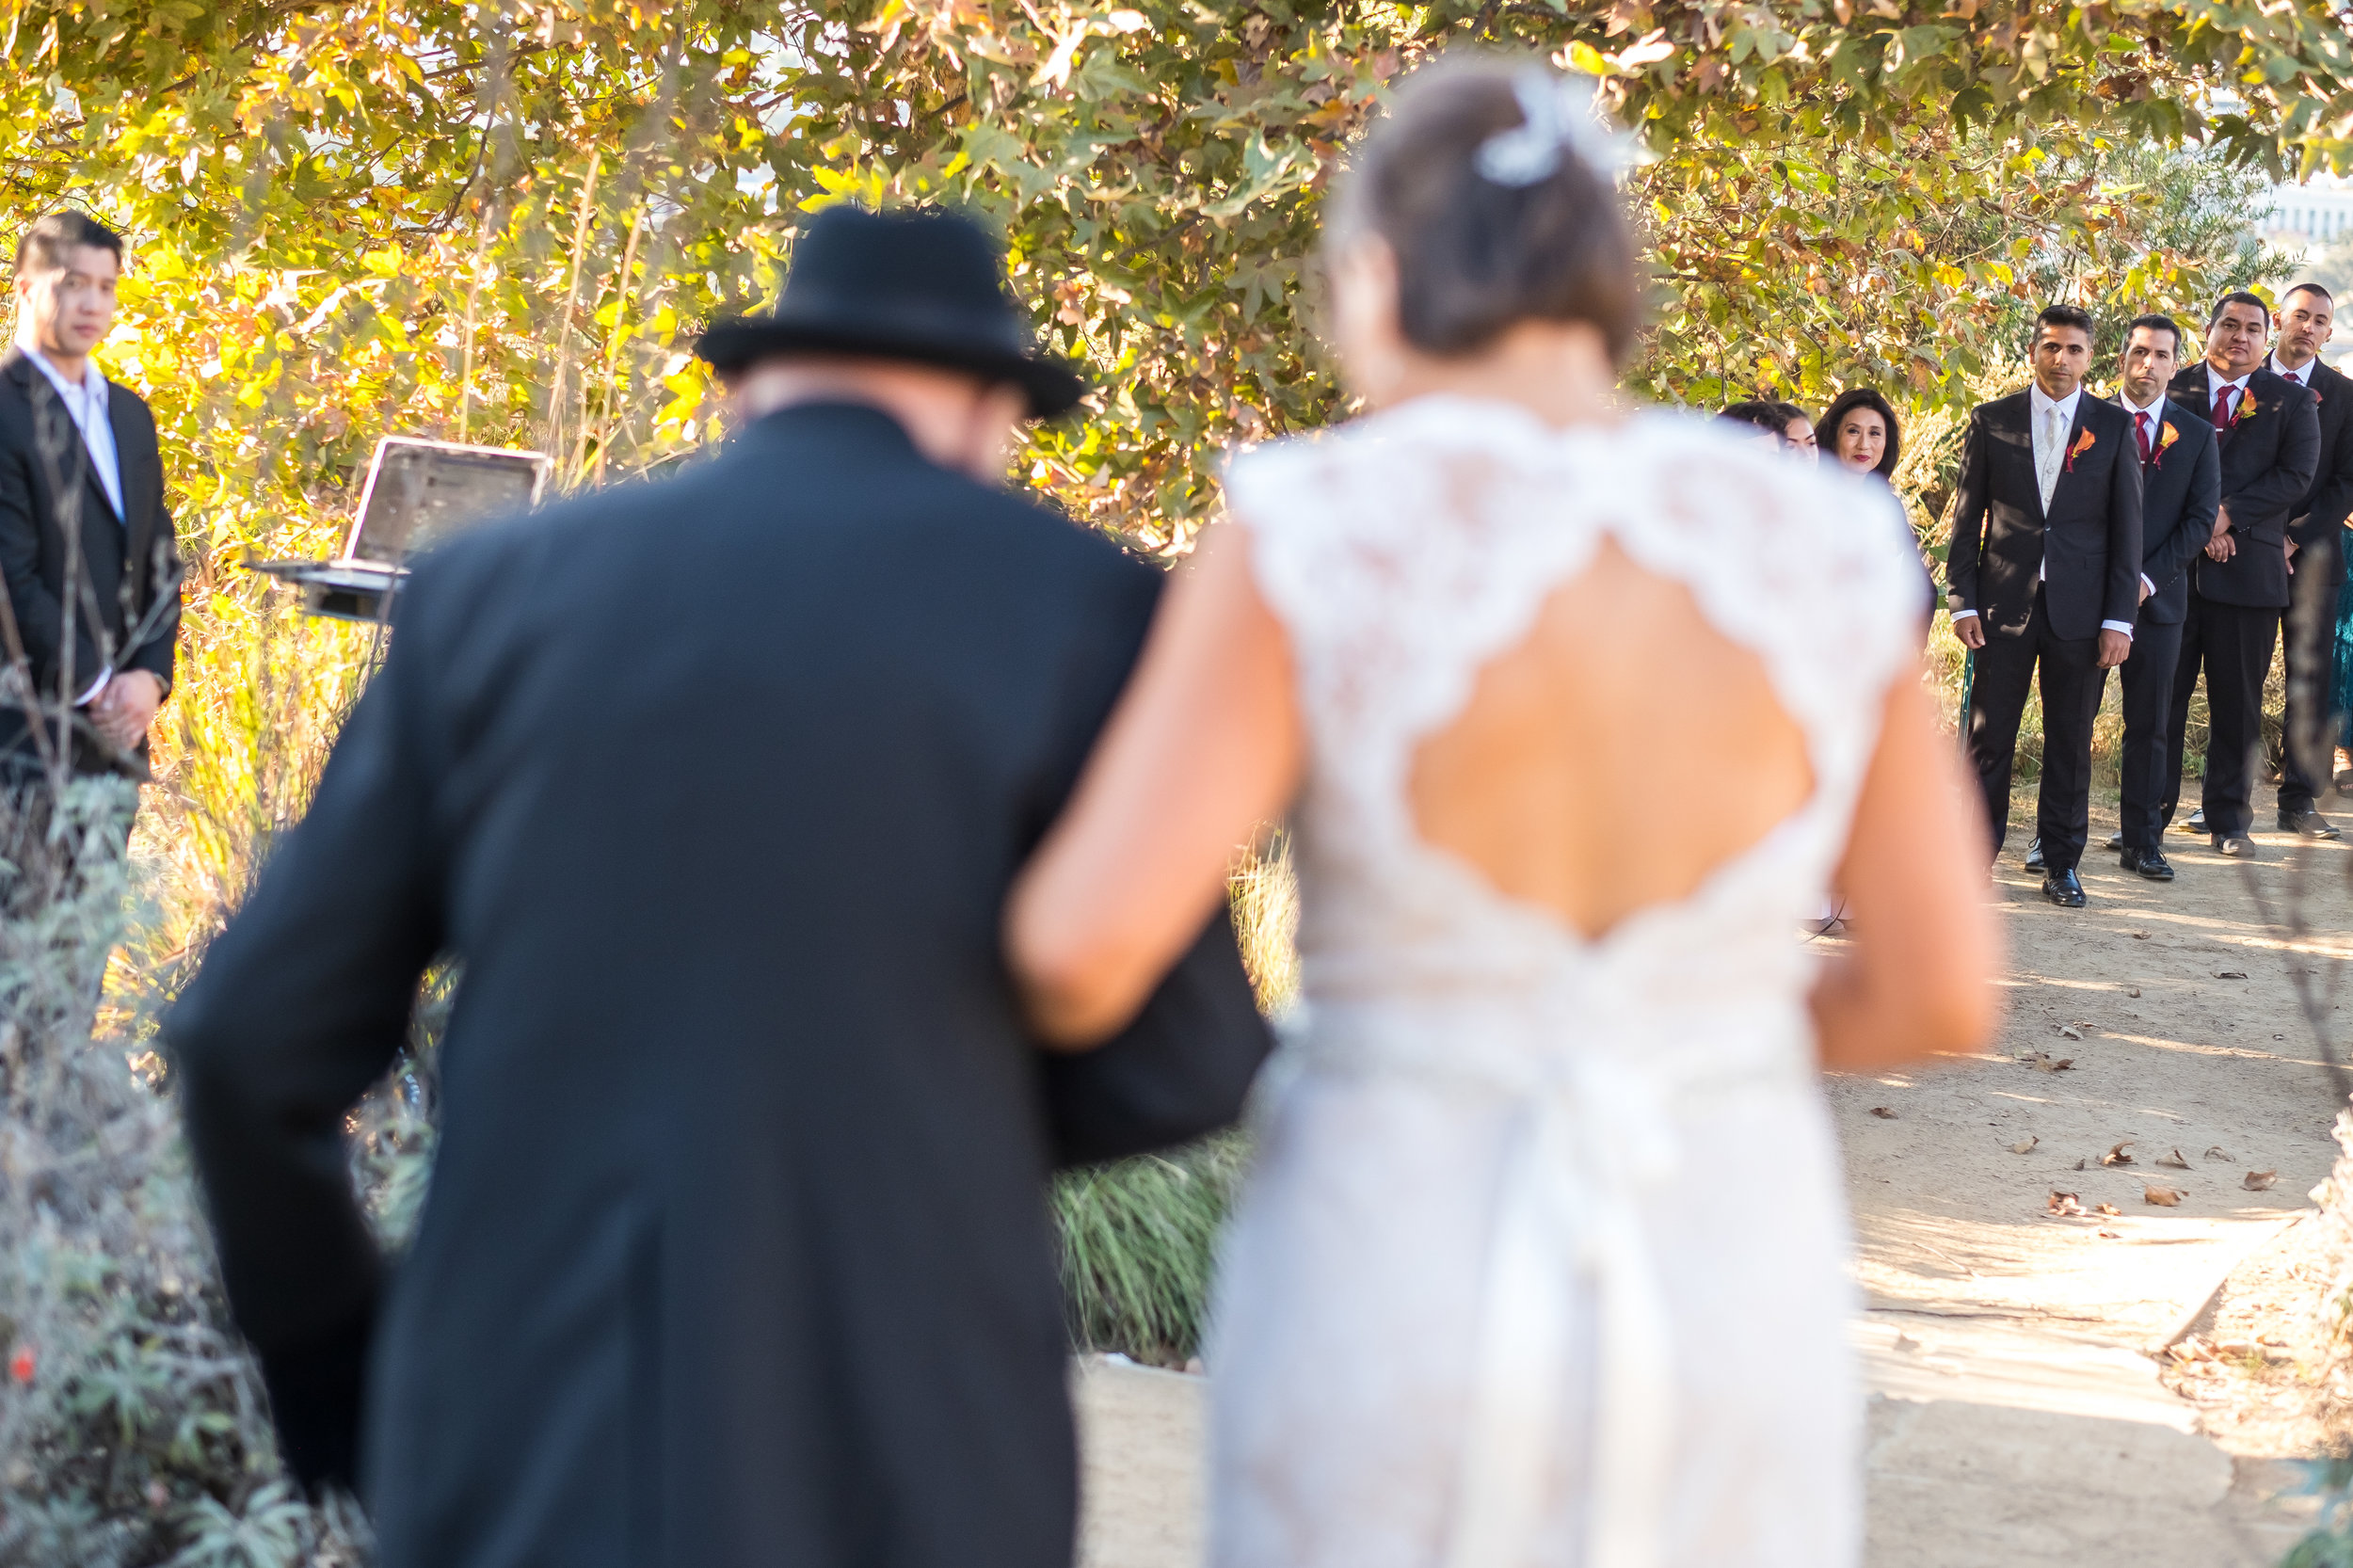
2223	401
2140	428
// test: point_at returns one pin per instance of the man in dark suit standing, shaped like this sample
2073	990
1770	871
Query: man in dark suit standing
2306	320
2044	578
2270	444
86	544
738	1251
2181	488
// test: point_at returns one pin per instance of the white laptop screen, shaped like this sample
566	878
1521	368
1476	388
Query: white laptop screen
420	492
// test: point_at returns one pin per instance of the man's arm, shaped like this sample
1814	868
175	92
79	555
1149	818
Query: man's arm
302	1003
2121	600
2284	484
1970	499
2178	547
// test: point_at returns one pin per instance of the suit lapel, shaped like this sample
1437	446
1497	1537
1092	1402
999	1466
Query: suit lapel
138	510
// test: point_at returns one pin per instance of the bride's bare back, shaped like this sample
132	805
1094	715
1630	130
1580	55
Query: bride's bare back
1589	772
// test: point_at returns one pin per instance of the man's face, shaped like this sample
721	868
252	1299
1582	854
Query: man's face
66	311
2306	322
2061	355
2150	359
2235	343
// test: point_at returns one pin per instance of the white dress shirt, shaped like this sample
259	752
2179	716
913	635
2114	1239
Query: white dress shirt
85	404
2155	415
2214	390
2301	376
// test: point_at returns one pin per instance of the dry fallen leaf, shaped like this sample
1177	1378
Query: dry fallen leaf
2230	974
2024	1145
2069	1031
2133	992
2064	1203
2108	1208
2111	1235
1882	1112
2216	1151
2137	935
2117	1155
2162	1196
2259	1181
2083	1164
1906	1343
2174	1162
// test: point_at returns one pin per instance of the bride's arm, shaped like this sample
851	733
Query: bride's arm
1920	979
1204	746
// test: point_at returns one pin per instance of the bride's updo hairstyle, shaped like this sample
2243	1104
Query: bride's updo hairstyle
1475	180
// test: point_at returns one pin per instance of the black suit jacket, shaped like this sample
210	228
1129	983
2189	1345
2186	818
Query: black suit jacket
2317	521
736	1250
2269	456
132	563
2090	541
2180	486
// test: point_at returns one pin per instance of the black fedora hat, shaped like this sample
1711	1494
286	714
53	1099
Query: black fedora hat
919	284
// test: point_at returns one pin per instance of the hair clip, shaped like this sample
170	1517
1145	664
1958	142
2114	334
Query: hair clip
1557	113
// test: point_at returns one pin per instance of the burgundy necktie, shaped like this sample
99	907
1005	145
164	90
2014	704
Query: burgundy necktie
2140	428
2223	401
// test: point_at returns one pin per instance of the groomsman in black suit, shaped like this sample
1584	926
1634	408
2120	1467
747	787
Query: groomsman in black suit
2180	490
2044	578
2270	443
2305	319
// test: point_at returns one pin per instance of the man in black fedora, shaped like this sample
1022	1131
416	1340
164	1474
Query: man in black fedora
738	1249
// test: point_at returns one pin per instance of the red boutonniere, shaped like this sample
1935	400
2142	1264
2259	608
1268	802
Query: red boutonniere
2167	436
2083	444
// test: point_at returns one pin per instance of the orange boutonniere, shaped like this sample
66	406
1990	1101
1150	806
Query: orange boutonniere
2247	408
2167	436
2083	444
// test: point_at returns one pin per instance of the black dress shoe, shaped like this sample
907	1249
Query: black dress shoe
2062	888
2309	822
2034	855
2148	863
2116	840
2236	845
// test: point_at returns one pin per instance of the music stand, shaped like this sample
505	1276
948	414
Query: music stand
418	493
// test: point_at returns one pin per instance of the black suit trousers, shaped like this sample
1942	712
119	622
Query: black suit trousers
2148	682
2311	635
2233	644
2070	678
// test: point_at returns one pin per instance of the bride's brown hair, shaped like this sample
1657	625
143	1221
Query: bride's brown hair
1475	255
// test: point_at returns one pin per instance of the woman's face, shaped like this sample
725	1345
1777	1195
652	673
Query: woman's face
1862	439
1799	441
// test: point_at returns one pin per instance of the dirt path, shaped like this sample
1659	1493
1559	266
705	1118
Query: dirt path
2017	1413
2019	1416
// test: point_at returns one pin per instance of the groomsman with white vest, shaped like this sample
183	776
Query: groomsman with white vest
2270	444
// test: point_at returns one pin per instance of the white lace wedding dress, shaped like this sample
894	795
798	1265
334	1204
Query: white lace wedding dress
1543	1259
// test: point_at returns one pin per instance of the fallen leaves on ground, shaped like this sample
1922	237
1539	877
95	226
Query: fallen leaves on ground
2044	1062
1882	1112
2135	992
2137	935
2230	974
2117	1155
2064	1203
2023	1144
2174	1162
2160	1194
2106	1208
2259	1181
2069	1031
2218	1152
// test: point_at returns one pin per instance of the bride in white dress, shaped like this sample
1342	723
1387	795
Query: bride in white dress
1542	1258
